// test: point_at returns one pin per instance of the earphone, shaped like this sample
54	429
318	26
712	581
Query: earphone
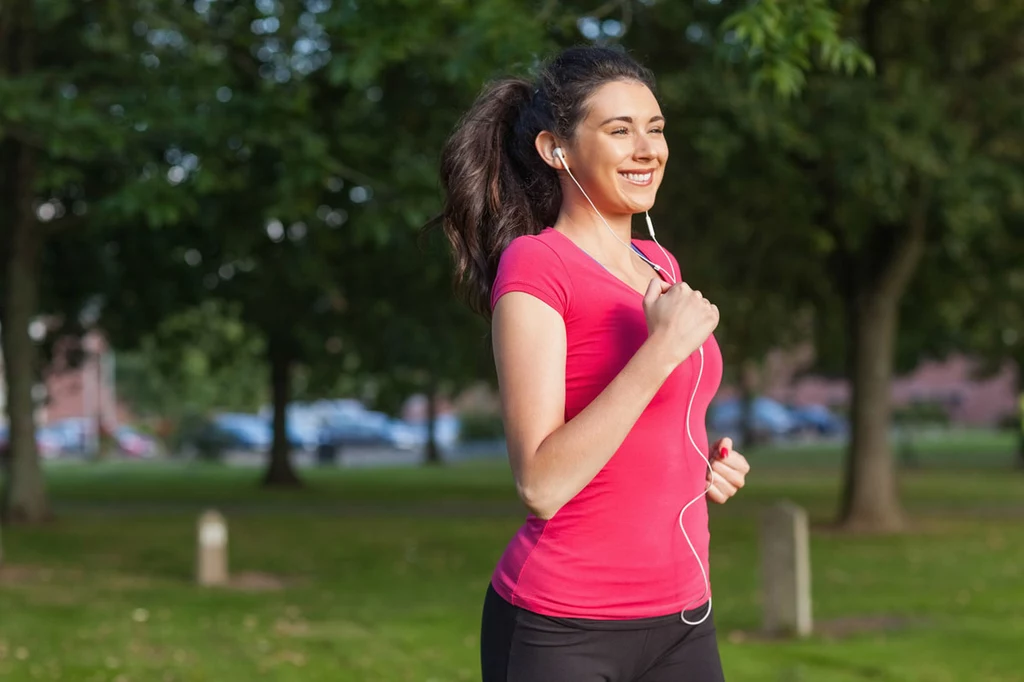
650	224
560	155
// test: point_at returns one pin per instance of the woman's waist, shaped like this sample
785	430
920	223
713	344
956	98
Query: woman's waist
628	532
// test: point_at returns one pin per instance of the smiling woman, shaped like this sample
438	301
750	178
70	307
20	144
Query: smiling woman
606	366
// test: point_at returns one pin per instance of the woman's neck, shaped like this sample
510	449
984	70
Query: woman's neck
584	227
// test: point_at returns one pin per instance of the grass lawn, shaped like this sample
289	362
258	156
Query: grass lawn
379	574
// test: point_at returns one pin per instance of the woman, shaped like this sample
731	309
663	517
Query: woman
606	367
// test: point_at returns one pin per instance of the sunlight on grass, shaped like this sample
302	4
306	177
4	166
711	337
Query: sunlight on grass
379	575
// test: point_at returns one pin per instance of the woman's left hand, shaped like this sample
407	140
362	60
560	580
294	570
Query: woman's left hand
730	469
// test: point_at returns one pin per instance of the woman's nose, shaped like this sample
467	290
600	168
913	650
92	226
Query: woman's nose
642	148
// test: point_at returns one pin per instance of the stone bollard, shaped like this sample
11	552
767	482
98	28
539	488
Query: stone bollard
786	571
212	550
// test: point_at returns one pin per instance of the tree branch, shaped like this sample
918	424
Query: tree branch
899	269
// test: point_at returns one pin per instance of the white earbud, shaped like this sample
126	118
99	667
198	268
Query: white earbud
560	155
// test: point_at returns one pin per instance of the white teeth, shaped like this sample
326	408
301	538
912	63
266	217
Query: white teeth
637	177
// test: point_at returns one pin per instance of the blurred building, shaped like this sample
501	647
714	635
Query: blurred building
78	384
955	383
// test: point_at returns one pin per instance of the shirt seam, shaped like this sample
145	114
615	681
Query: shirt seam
568	275
526	562
535	290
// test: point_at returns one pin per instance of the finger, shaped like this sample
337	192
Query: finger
723	448
716	495
723	472
655	288
723	485
738	462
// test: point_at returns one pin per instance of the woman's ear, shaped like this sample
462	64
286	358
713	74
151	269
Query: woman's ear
547	145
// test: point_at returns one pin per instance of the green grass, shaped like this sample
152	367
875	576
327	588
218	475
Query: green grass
939	448
384	570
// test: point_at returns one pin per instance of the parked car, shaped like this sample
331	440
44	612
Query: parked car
818	419
356	428
232	431
770	417
134	443
446	432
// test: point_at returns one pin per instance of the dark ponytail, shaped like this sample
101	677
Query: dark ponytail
496	185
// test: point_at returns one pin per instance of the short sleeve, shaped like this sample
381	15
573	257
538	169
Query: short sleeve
531	266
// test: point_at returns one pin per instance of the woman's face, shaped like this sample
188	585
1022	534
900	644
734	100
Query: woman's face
619	150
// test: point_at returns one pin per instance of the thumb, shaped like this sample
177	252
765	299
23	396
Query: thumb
655	288
722	448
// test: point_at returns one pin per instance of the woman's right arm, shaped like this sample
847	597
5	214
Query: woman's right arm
553	460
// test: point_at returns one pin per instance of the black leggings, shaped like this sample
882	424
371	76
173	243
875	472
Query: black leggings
517	645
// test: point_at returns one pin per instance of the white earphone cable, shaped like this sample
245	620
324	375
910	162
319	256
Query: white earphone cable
711	481
657	268
700	373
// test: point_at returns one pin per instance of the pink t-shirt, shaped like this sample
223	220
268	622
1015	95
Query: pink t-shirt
615	551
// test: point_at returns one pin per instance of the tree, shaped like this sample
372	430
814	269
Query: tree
734	206
877	169
906	160
850	179
984	313
195	361
426	340
89	95
45	127
237	130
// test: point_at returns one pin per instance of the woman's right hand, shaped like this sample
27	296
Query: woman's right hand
678	317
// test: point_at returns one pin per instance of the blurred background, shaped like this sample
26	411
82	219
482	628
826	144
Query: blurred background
216	293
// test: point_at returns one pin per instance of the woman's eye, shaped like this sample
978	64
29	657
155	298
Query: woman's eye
657	131
620	131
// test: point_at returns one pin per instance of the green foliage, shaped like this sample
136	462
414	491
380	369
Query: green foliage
276	159
480	426
785	39
196	361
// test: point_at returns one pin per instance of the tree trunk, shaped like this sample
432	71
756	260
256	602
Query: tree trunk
24	499
280	473
748	389
870	496
433	453
870	499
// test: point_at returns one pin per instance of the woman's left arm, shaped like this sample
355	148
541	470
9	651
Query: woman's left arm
731	469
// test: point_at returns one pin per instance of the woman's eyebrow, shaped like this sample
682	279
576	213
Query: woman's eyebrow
629	119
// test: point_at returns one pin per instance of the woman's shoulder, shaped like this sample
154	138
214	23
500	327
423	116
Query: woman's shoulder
545	240
533	263
534	249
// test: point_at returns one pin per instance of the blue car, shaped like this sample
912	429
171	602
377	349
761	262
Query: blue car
770	417
234	431
818	419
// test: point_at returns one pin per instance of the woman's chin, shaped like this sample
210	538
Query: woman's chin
637	205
